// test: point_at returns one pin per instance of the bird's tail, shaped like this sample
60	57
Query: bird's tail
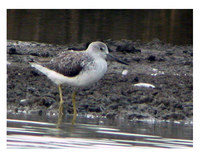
40	68
52	75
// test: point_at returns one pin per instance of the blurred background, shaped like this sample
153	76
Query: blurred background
67	26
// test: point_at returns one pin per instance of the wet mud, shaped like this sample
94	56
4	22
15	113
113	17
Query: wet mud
157	84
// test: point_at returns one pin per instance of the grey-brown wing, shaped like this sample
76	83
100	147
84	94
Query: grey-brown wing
69	64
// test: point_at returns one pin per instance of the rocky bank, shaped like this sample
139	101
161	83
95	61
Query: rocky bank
166	70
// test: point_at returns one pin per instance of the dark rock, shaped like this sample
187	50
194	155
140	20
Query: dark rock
127	48
121	46
136	115
47	101
151	58
94	109
35	73
136	79
12	51
185	51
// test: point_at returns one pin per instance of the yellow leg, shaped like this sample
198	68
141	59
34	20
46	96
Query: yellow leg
61	100
74	102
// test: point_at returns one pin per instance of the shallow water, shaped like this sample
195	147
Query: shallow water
33	131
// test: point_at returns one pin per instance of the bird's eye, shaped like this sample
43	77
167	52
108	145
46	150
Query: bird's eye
101	48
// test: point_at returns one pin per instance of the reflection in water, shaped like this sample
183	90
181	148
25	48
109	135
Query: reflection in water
60	120
29	131
86	25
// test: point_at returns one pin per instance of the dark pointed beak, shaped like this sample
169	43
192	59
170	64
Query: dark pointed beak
118	60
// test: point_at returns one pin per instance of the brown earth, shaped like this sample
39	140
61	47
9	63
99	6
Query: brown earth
168	67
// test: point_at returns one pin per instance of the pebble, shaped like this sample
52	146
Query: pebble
146	85
124	72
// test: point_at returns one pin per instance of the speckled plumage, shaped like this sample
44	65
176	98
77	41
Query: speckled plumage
70	63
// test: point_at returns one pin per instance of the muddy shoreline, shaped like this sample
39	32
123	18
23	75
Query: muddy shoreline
167	68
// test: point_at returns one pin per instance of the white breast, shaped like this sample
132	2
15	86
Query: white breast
95	73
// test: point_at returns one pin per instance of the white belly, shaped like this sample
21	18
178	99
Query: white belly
93	75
